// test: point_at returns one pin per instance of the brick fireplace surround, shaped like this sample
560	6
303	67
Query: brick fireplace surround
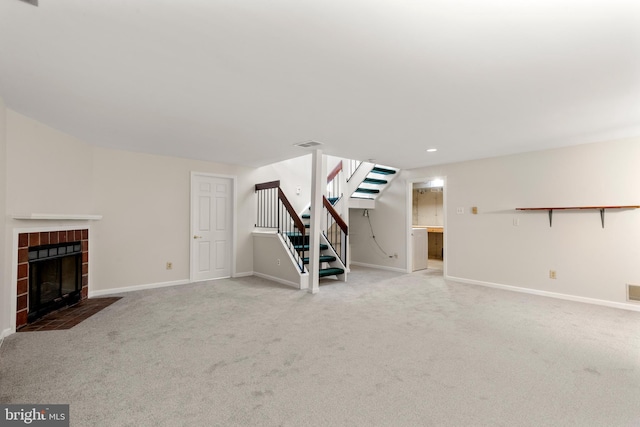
27	240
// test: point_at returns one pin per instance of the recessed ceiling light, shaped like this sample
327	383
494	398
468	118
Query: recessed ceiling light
431	150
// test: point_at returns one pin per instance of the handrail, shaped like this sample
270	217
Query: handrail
292	212
275	211
336	216
353	167
334	172
336	231
267	185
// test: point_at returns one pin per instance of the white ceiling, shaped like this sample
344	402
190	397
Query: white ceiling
241	81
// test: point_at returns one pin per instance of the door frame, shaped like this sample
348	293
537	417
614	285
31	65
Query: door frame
234	209
409	219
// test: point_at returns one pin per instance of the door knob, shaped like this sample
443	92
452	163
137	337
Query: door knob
197	237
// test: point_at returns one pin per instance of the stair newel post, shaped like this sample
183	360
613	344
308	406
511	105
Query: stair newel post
318	181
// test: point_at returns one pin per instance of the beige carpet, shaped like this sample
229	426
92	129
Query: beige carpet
384	349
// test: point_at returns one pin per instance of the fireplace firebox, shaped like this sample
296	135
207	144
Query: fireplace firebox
55	273
52	271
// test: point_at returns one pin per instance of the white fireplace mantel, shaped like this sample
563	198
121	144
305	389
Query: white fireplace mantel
58	217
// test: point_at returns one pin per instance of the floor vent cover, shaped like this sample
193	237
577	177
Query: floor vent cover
633	292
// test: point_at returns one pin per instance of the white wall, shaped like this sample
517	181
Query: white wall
292	173
144	200
48	171
389	228
273	261
5	274
591	262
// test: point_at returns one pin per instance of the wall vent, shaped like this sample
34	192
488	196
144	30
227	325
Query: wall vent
633	293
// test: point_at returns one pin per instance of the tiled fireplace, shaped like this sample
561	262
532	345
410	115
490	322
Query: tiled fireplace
46	254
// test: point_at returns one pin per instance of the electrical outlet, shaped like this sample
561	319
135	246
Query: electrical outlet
460	211
552	274
278	261
169	265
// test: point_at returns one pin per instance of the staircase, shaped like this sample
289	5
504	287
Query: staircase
373	182
366	184
328	261
282	234
330	264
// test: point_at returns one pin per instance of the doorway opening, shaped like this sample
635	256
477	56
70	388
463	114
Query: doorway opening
426	219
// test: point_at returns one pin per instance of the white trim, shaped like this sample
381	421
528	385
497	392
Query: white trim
5	334
58	217
13	309
137	288
244	274
279	280
594	301
234	220
379	267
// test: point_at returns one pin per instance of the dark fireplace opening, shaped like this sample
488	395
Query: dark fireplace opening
55	277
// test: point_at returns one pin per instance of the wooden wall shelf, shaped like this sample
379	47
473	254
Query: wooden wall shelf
600	208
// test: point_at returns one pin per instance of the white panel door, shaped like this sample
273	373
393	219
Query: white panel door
211	227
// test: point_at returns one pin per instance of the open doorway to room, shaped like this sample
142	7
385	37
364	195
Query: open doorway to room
427	224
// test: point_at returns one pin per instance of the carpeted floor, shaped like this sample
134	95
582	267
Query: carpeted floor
384	349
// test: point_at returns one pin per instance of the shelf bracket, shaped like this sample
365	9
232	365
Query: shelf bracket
550	217
602	217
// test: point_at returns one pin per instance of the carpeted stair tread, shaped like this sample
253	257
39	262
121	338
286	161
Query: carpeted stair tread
382	171
323	247
330	272
323	258
367	190
375	181
306	216
333	200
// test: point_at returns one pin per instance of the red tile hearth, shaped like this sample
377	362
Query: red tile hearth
69	317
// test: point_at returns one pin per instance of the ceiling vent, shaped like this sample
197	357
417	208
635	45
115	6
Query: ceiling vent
308	144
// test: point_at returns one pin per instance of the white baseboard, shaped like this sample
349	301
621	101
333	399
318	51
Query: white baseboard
379	267
4	334
277	279
605	303
136	288
243	274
